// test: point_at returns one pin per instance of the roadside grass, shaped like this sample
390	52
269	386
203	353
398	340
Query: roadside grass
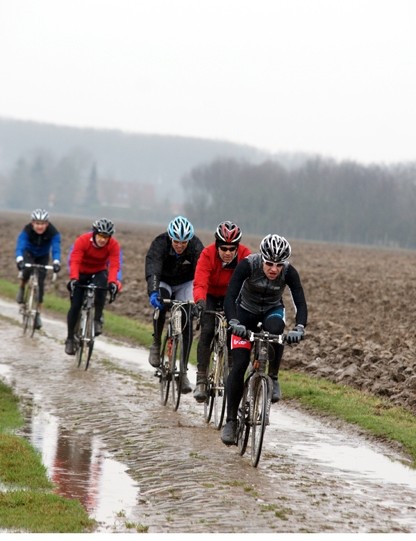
374	415
27	501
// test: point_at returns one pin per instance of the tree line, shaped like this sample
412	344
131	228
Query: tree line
321	199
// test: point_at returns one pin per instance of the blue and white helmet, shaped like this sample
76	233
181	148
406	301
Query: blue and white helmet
180	229
40	215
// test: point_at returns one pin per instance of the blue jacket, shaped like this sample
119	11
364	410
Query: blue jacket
39	245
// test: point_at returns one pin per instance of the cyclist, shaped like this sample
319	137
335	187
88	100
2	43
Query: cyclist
37	240
169	270
213	272
255	295
94	259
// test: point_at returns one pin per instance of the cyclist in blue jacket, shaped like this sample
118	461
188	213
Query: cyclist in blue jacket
34	244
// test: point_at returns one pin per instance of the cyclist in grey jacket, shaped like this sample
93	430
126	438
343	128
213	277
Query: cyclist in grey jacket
255	295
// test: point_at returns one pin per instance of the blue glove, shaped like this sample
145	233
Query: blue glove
155	300
237	329
295	336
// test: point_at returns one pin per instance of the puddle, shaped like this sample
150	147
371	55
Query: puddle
81	468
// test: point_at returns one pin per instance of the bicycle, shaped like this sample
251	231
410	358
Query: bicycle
217	371
84	334
30	307
254	410
172	363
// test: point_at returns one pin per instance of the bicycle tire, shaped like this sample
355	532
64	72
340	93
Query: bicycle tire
258	418
243	424
209	402
177	367
34	311
89	335
164	381
219	397
80	339
27	311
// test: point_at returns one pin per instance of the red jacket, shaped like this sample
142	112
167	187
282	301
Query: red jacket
210	276
86	258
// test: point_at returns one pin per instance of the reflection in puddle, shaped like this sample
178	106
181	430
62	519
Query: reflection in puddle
81	469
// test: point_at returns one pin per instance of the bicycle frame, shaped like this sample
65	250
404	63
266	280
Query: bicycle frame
172	362
254	410
30	307
217	371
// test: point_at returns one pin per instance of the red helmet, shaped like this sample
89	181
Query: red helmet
228	233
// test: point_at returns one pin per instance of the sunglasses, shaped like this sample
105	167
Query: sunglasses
272	264
228	248
102	236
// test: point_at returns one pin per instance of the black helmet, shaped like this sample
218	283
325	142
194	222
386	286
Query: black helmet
104	226
274	248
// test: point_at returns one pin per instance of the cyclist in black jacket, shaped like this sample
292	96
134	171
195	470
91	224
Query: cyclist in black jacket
170	268
255	295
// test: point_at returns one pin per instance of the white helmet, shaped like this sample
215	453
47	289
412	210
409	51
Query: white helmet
40	215
274	248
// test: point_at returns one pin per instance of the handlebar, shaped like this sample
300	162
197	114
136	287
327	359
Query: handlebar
267	336
38	266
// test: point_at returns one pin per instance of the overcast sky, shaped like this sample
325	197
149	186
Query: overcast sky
334	77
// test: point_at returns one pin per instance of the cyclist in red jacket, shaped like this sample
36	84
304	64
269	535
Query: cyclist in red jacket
95	258
213	272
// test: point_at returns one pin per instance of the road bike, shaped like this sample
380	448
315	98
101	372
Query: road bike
30	306
172	354
217	371
84	335
254	410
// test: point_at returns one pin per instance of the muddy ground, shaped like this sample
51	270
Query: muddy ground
361	303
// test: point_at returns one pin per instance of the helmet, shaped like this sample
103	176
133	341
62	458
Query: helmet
275	248
104	226
40	215
228	232
180	229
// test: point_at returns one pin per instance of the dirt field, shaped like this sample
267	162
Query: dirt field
361	301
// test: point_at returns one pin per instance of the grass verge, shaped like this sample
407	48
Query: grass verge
27	501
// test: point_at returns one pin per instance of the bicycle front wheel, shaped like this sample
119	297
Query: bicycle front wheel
177	370
218	391
243	424
258	418
80	339
28	314
164	381
89	336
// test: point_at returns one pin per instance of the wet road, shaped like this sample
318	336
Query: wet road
135	464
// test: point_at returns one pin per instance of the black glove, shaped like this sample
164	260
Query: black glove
200	307
56	266
237	329
295	336
113	289
20	264
71	285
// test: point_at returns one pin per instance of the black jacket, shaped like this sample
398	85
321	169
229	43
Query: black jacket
163	264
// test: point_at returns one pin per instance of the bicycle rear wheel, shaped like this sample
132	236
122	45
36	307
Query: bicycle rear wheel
177	368
258	418
164	381
243	421
219	397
